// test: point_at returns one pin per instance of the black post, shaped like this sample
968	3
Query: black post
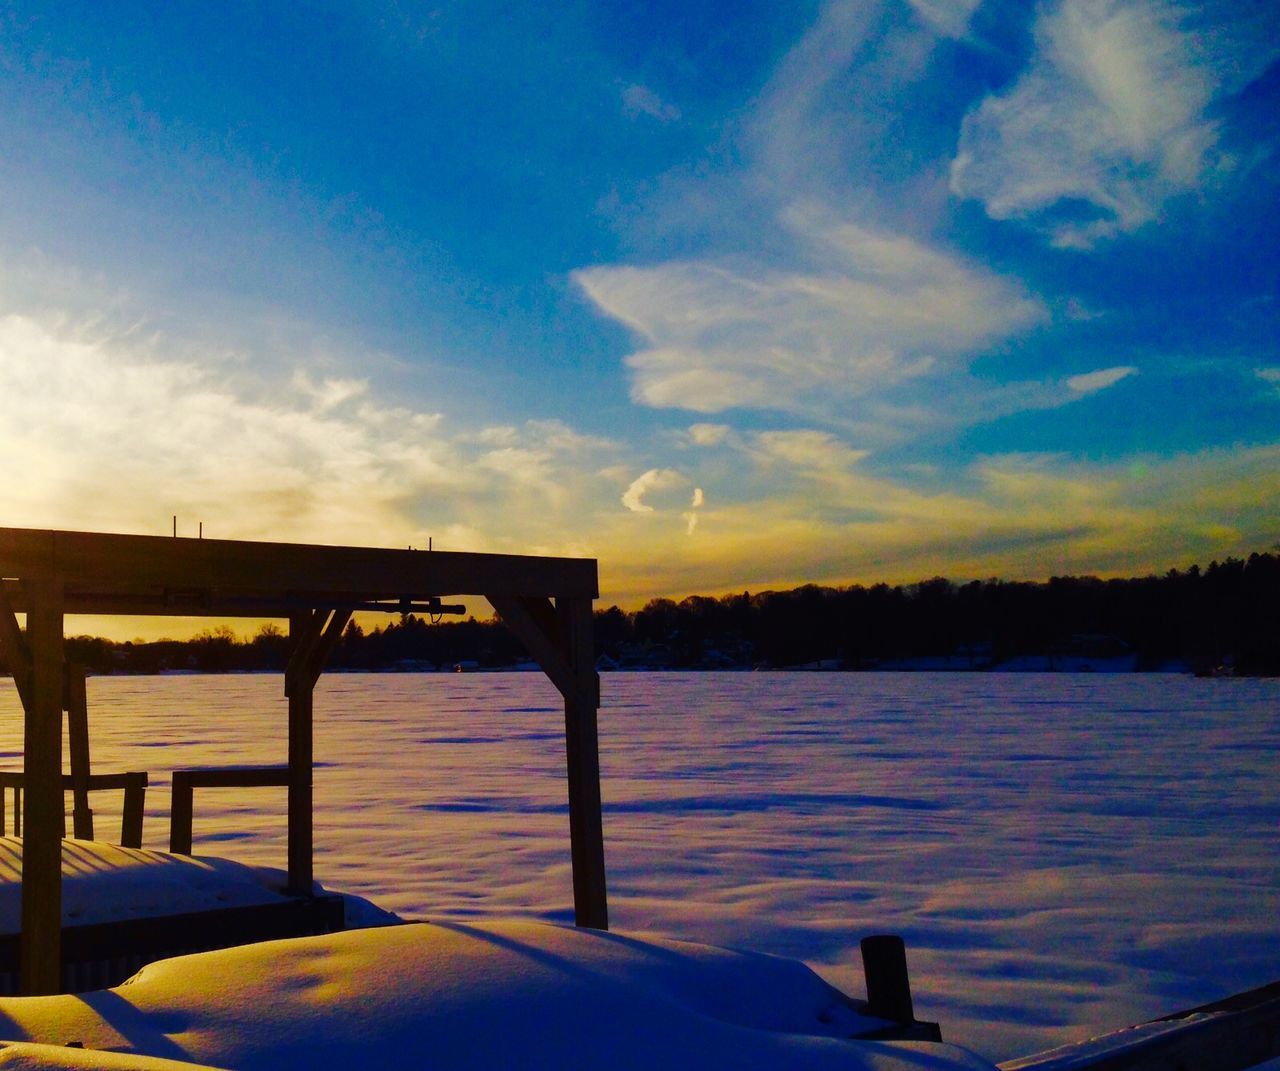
884	962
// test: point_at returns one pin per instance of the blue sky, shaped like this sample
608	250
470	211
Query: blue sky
727	295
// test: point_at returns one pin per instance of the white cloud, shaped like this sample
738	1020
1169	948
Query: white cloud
1089	382
641	100
653	480
690	516
111	437
868	311
1268	375
948	17
1112	113
708	434
330	393
816	451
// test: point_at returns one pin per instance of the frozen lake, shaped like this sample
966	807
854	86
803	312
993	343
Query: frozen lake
1064	854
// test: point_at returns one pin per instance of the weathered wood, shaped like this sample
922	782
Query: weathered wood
14	648
586	831
42	767
77	704
93	563
185	781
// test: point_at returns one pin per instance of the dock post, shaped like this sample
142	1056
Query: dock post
314	635
304	631
586	830
884	963
77	702
41	940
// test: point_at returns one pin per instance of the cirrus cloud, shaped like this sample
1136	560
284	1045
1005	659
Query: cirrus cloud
868	311
1111	117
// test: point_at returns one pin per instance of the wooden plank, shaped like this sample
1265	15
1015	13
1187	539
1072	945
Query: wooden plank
78	746
126	564
233	776
185	781
42	767
586	831
14	647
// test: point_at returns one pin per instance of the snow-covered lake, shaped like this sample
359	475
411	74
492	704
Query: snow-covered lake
1064	854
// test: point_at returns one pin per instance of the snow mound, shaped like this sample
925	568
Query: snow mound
504	996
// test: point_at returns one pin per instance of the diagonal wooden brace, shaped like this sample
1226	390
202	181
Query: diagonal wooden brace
14	647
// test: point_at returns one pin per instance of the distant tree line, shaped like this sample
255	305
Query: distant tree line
1226	616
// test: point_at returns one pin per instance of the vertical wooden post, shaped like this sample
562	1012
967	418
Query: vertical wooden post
78	745
135	795
884	964
313	635
304	632
41	940
180	815
586	830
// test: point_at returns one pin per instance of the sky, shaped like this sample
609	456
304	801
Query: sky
728	296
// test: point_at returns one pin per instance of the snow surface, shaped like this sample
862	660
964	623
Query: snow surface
104	882
1065	854
498	996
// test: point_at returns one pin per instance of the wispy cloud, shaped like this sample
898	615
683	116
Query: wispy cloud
1091	382
1112	113
690	516
641	100
708	434
867	311
947	17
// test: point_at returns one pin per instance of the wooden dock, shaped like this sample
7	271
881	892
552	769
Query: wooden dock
45	575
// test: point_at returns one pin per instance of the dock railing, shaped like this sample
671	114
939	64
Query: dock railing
134	784
186	781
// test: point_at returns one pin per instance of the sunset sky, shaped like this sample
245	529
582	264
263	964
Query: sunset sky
728	295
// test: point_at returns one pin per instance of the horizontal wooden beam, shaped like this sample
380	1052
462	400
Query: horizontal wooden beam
108	573
203	602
